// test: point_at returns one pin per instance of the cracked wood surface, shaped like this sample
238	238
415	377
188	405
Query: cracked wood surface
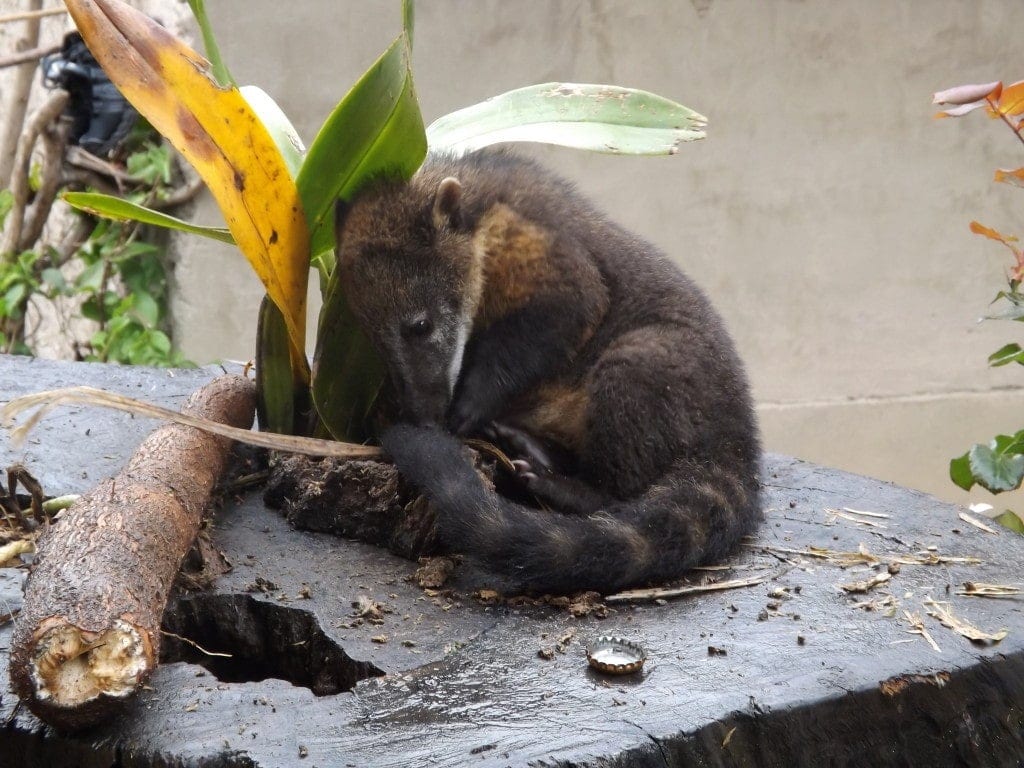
809	675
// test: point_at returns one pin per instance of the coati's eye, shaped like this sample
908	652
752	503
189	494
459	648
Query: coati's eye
418	328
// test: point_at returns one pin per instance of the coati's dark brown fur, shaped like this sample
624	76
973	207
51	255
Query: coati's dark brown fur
577	336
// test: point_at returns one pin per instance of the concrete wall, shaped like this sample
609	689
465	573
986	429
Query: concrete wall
826	214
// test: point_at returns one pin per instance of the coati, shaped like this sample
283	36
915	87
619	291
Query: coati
503	303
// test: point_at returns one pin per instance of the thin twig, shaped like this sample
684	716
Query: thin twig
32	15
47	401
32	55
1005	119
181	195
194	644
81	158
76	179
640	595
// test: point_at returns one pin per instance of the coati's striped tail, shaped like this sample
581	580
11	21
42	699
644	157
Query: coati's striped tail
693	515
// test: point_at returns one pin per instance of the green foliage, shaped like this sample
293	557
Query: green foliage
125	291
599	118
119	209
999	465
376	129
122	283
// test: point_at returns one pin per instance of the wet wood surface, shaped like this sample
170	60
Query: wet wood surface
340	657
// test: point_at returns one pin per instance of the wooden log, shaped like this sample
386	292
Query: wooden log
89	633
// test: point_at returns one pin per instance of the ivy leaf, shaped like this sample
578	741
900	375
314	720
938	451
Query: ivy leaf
960	472
998	466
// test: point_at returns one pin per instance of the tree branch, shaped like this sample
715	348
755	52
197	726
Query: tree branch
45	115
31	55
20	89
32	15
54	139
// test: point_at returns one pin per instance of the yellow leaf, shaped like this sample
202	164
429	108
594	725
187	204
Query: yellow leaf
1015	176
217	131
981	229
1011	101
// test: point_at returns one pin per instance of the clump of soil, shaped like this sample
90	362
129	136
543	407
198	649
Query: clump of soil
356	499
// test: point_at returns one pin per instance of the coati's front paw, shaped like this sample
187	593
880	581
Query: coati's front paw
468	415
416	450
521	445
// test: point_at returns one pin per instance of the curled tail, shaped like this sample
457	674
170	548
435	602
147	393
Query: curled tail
696	514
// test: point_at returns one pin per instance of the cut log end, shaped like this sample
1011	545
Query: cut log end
71	667
89	633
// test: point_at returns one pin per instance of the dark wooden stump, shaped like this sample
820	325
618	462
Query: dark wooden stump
338	657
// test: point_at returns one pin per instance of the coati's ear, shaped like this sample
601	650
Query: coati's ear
341	211
447	204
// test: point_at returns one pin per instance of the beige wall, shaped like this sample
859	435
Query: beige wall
826	213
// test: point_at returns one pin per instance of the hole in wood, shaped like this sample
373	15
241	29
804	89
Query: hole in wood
265	640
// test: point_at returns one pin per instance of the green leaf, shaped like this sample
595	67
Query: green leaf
13	298
1014	312
377	128
960	472
280	128
275	385
1011	353
146	308
220	70
1010	519
91	278
159	342
54	278
121	210
999	466
91	309
347	372
603	118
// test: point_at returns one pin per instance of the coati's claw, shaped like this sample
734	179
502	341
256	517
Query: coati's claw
524	472
525	447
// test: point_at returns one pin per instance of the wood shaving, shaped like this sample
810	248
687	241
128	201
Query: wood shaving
866	514
942	613
980	589
868	584
835	513
886	603
863	557
917	628
977	523
641	595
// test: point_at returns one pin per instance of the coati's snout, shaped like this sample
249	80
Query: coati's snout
406	268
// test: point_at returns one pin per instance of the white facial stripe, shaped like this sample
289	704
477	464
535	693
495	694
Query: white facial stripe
455	367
